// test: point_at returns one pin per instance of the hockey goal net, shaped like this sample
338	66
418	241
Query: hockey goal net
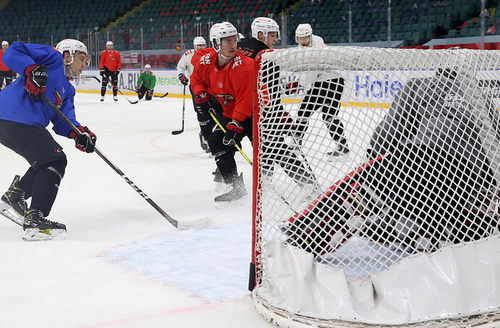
376	187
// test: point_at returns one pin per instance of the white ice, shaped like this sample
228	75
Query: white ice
122	264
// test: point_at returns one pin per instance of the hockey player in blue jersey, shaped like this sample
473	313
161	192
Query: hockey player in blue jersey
23	121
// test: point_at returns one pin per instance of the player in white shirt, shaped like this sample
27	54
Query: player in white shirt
185	69
324	93
305	38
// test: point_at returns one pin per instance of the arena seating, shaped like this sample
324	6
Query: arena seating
167	24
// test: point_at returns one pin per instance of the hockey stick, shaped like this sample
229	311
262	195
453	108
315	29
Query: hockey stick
163	96
183	225
183	111
224	130
86	77
114	86
156	96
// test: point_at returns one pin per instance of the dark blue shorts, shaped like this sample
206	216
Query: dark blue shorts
32	142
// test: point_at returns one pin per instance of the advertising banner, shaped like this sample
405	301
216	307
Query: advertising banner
166	81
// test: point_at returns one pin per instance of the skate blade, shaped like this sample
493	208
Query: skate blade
338	157
219	186
7	211
34	234
232	204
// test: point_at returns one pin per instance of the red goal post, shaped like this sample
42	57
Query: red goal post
376	187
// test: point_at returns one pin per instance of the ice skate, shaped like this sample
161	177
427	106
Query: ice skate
217	176
236	192
9	213
12	204
102	98
308	192
342	148
37	227
115	98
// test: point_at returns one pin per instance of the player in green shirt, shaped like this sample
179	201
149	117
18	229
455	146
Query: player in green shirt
146	83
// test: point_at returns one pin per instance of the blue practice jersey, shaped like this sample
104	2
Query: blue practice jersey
15	103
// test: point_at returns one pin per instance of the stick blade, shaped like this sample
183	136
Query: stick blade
161	96
196	224
177	132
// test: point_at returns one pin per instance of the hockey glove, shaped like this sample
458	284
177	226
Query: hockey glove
137	89
84	141
232	128
203	105
102	72
291	87
118	70
184	80
36	80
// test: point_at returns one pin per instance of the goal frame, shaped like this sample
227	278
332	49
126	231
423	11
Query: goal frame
284	318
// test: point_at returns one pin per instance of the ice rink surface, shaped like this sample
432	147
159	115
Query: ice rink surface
122	264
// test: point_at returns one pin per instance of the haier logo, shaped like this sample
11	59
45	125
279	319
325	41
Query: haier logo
370	87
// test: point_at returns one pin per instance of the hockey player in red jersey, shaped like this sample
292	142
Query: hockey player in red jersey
5	72
265	33
226	74
110	66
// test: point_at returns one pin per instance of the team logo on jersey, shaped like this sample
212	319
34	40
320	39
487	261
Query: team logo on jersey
58	98
237	61
205	59
225	97
220	85
454	101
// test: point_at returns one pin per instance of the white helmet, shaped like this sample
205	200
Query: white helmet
109	43
303	30
73	46
222	30
264	25
199	41
5	43
147	66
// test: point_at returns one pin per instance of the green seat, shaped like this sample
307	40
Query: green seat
429	33
473	31
398	36
381	36
369	37
440	10
463	32
440	20
407	35
357	38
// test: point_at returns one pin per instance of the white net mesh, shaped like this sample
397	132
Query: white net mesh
377	191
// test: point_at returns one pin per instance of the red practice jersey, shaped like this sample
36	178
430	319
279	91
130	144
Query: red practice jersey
231	84
2	65
111	59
